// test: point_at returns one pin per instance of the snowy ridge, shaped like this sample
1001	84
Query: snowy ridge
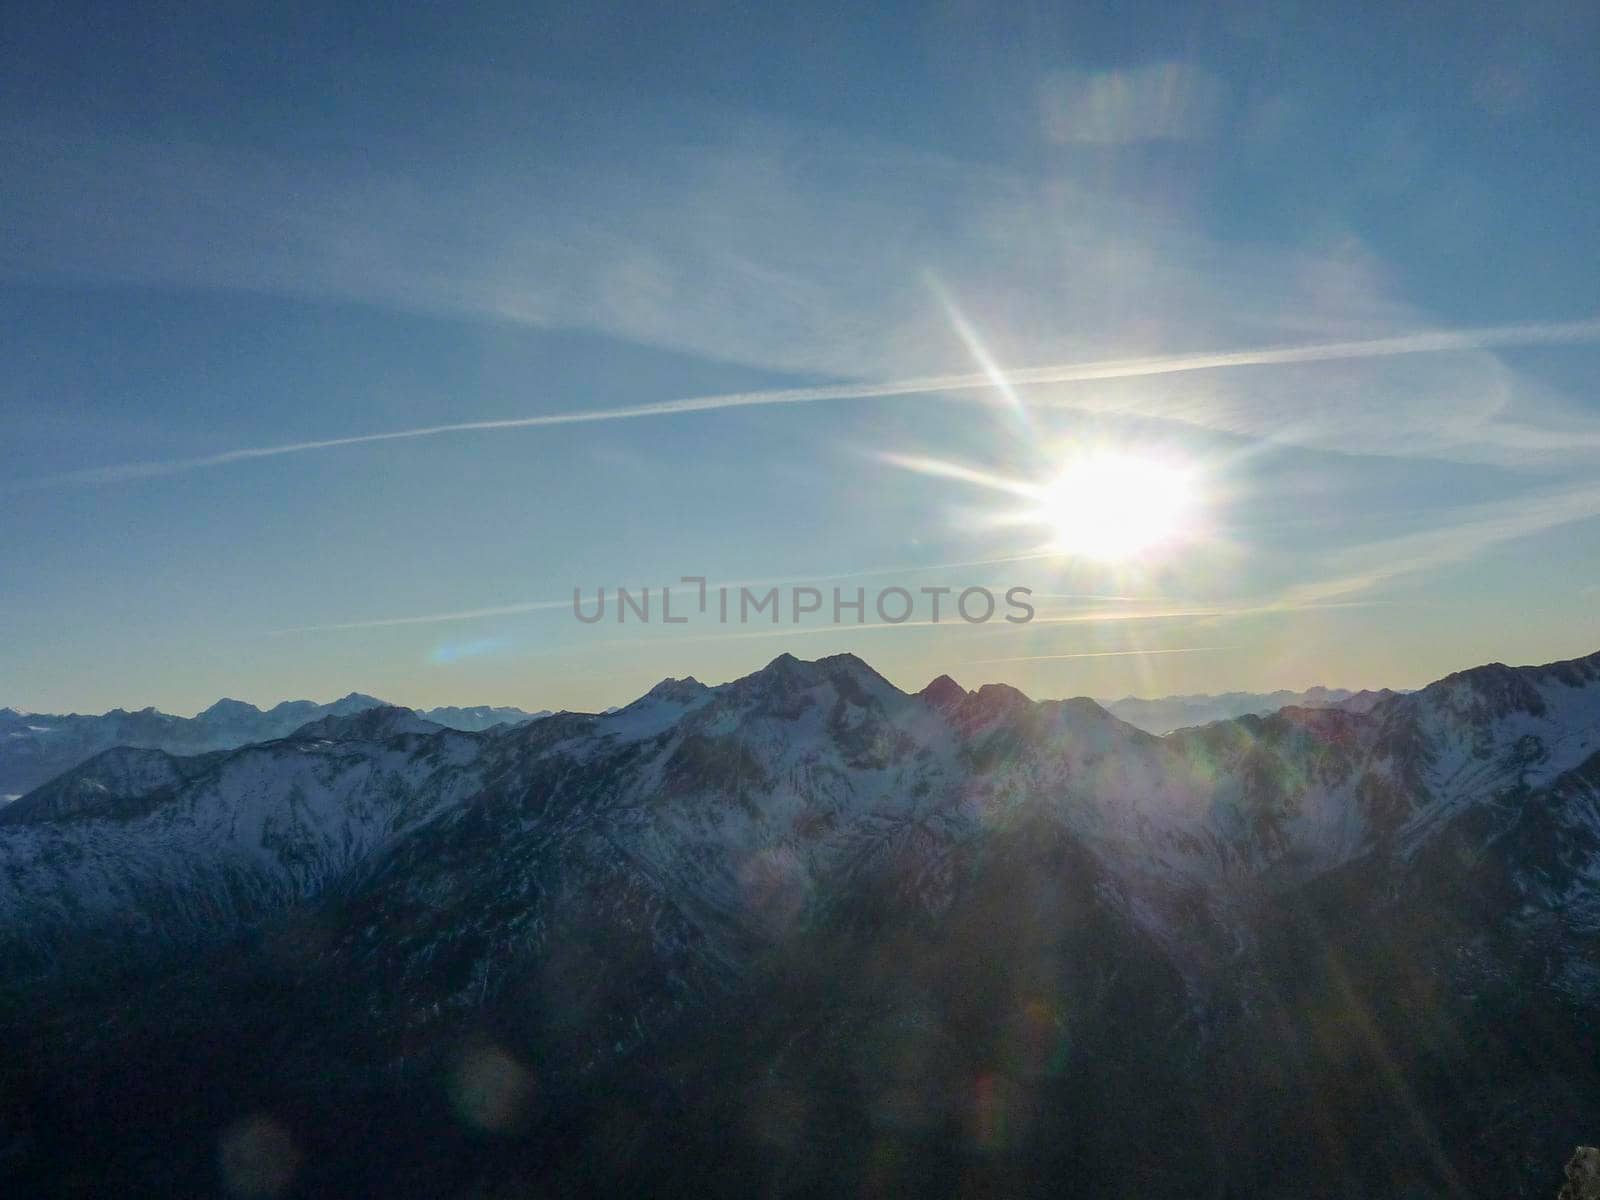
806	883
35	748
142	842
710	821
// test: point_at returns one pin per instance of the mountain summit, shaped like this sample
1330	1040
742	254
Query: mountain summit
806	909
943	692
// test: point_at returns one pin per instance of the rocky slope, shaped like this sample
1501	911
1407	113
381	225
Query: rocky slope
36	747
830	936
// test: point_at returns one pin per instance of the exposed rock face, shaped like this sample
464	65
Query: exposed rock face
804	933
943	692
1583	1175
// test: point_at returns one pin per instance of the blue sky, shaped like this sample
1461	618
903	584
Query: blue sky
247	230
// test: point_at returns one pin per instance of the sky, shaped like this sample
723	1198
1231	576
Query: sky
343	344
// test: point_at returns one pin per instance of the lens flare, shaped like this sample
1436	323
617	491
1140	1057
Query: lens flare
1114	507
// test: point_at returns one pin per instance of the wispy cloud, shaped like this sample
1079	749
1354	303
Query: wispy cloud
795	250
530	606
465	614
1170	101
1474	531
1549	333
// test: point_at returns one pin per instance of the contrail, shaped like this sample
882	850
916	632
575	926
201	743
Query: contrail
465	614
1549	333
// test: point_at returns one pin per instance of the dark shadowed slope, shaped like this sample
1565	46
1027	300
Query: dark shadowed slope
805	934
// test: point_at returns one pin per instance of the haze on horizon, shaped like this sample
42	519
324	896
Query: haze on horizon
1260	347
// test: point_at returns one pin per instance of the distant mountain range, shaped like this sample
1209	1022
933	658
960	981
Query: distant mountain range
806	934
1183	712
35	747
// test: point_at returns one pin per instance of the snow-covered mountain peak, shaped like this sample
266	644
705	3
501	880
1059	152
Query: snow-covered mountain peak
1484	693
787	681
943	693
355	702
678	690
787	671
1001	694
1082	708
1575	672
103	787
228	709
993	701
1494	706
370	724
657	710
479	717
1367	700
808	830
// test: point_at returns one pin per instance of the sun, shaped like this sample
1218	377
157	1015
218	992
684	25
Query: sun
1114	507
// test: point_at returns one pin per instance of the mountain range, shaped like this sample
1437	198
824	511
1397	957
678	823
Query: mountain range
1182	712
35	747
806	934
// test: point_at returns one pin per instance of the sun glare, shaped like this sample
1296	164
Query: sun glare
1115	507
